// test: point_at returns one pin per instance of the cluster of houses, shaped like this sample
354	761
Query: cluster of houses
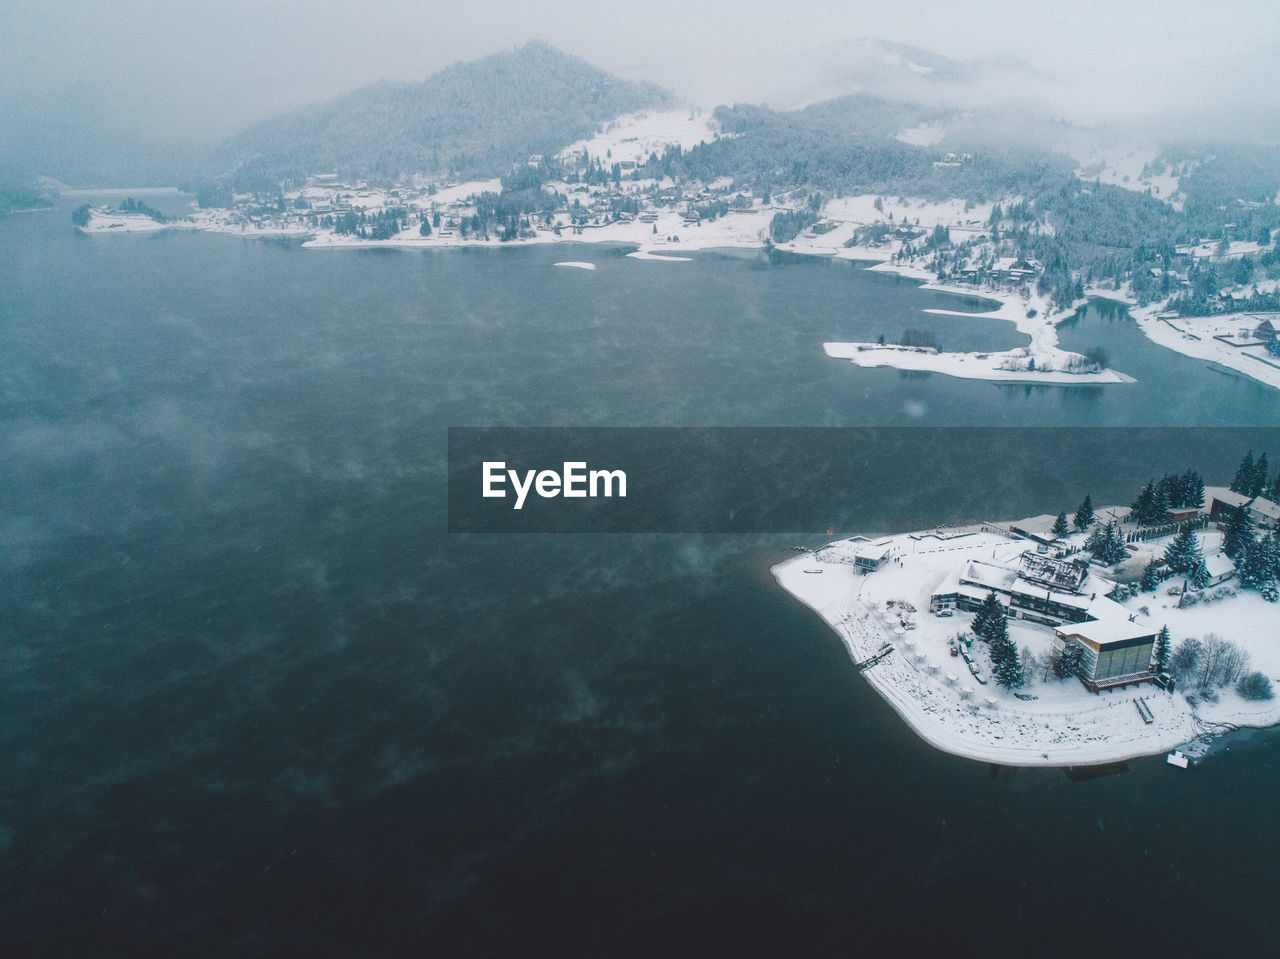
1116	645
1051	587
585	206
1003	272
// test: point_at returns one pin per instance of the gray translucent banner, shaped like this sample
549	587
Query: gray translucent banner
785	480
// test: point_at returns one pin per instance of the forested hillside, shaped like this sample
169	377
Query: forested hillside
19	196
472	119
844	146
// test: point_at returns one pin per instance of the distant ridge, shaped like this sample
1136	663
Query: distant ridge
472	118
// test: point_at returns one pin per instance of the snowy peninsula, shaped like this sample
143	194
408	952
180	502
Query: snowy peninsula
902	605
1041	361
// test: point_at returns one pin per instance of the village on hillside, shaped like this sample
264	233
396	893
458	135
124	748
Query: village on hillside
1118	632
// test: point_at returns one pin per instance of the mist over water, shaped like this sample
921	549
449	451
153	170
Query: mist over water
257	700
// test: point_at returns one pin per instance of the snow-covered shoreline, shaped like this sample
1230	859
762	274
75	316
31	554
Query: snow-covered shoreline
1041	361
1196	336
664	225
1061	724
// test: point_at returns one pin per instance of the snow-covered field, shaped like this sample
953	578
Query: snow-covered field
634	136
1063	724
1124	166
102	222
922	135
1194	336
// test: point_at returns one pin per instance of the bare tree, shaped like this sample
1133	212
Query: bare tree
1220	662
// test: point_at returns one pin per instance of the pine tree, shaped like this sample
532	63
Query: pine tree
1116	553
1249	569
1238	534
1141	507
1084	515
1161	501
997	626
1107	545
1269	553
1160	652
1200	576
989	620
1184	552
1192	489
1060	527
1150	577
1072	657
1004	654
1006	663
1256	563
1243	479
1260	471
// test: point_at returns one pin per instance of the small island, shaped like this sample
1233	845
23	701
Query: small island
1122	632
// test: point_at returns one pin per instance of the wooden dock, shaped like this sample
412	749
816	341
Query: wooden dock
1144	711
884	651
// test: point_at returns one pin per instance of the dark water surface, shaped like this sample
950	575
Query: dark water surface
258	702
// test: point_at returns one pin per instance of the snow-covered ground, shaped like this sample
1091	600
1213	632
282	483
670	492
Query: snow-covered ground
922	135
101	221
1194	336
1063	724
1211	249
912	211
1041	361
1124	166
634	136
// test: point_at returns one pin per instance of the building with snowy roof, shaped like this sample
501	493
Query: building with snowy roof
1263	512
1038	528
1219	567
1059	574
1223	502
1115	644
1115	651
1039	590
869	557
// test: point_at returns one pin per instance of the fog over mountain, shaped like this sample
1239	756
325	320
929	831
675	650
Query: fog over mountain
131	82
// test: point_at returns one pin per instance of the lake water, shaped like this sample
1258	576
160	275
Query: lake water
258	701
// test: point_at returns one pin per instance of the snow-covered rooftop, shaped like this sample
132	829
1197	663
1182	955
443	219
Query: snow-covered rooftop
1219	565
1104	632
1227	497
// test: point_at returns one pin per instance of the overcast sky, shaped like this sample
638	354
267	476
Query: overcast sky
204	68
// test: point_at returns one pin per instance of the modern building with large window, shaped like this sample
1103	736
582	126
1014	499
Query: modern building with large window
1114	652
1115	644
